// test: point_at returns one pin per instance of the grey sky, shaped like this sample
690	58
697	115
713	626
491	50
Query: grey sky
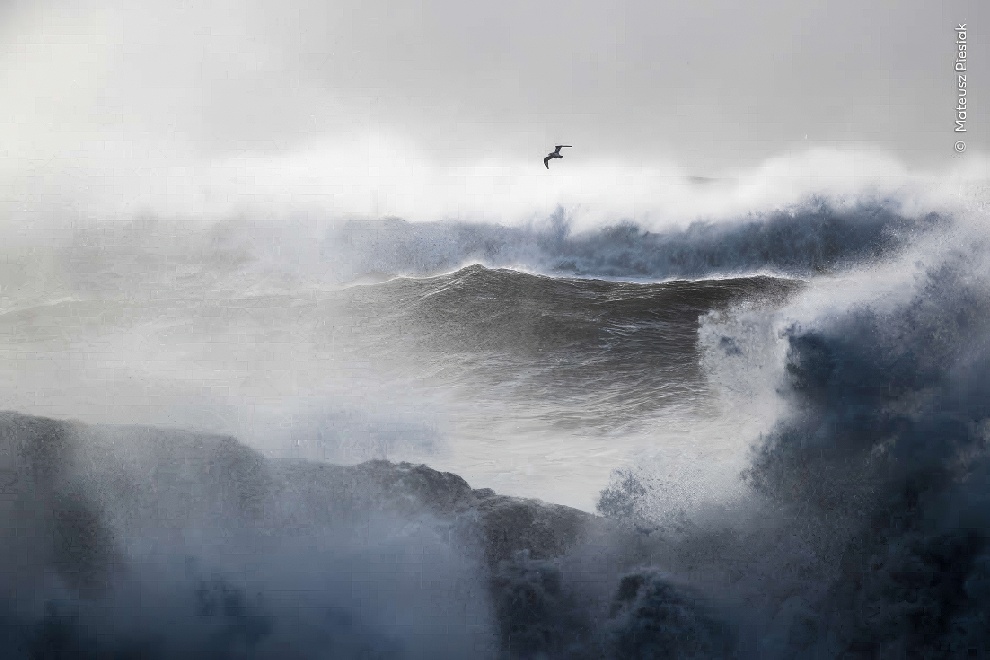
711	82
707	84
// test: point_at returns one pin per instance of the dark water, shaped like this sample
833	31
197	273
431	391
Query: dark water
584	353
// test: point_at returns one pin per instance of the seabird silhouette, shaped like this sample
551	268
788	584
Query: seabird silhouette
554	154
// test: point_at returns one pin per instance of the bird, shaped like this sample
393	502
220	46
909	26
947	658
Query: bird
554	154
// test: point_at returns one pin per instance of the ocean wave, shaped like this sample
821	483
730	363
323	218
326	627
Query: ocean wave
808	239
600	356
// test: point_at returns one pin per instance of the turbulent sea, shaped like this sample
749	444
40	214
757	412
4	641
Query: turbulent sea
776	426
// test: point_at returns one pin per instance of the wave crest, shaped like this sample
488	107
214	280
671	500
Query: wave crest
812	238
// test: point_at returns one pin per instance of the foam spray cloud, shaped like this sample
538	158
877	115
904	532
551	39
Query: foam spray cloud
865	531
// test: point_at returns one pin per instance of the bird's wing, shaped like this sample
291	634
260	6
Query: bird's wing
561	146
546	161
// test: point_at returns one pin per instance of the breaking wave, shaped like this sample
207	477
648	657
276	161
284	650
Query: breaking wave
815	237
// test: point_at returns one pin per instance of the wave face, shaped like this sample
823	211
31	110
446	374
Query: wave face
595	354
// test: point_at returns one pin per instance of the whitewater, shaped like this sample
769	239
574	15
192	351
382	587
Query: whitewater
766	394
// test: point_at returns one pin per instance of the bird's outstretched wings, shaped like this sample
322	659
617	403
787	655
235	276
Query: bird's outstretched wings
560	146
546	162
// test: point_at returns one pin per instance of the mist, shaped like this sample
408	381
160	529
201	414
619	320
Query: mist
434	110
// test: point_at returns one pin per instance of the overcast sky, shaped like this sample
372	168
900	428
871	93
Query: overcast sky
708	85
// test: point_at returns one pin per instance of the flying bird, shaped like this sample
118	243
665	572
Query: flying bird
554	154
